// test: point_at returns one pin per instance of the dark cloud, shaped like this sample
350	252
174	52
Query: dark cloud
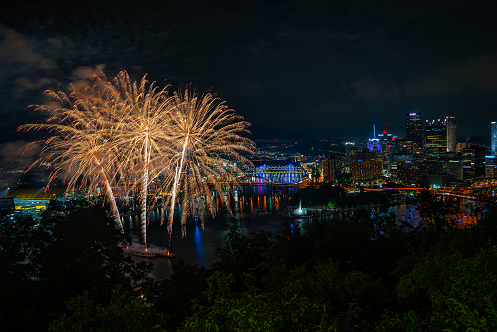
294	69
477	74
18	49
369	87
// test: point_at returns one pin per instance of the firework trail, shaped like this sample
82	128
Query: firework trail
142	134
81	148
205	135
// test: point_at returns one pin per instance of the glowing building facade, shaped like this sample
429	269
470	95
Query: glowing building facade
366	171
493	125
435	139
414	128
451	131
490	166
366	167
374	143
329	168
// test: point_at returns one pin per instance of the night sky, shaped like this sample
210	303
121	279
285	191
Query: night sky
295	69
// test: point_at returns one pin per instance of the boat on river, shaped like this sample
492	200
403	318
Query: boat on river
166	254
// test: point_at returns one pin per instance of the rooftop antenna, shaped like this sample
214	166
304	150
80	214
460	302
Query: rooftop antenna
374	143
373	135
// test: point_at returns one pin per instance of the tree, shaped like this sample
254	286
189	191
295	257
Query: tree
253	309
74	247
437	212
451	292
124	313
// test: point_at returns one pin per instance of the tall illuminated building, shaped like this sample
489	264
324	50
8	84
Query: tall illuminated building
374	143
414	128
435	139
451	132
493	125
329	168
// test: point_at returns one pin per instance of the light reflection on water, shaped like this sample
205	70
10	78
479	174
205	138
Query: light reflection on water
254	208
409	213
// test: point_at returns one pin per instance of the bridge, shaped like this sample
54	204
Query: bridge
274	175
477	190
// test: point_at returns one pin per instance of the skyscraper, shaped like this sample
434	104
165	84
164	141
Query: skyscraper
329	168
435	139
451	133
374	143
414	128
493	125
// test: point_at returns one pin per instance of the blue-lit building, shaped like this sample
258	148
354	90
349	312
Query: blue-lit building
374	143
493	125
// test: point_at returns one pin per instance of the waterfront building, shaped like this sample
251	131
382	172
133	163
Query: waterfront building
435	139
451	131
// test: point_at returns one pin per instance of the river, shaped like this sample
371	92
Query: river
254	208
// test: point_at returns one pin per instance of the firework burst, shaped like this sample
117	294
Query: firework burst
125	136
142	135
81	148
205	136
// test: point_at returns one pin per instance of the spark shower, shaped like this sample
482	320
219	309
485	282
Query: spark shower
128	137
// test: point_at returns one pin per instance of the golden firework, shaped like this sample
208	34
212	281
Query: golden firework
206	137
126	135
81	148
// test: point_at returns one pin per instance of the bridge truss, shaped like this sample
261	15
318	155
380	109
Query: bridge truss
269	174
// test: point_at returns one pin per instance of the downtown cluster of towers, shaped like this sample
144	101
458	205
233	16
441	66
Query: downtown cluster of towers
426	155
440	136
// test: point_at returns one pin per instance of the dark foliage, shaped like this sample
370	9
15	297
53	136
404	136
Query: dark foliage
73	248
326	193
369	272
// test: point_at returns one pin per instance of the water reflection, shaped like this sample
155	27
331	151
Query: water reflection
254	208
199	248
409	213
